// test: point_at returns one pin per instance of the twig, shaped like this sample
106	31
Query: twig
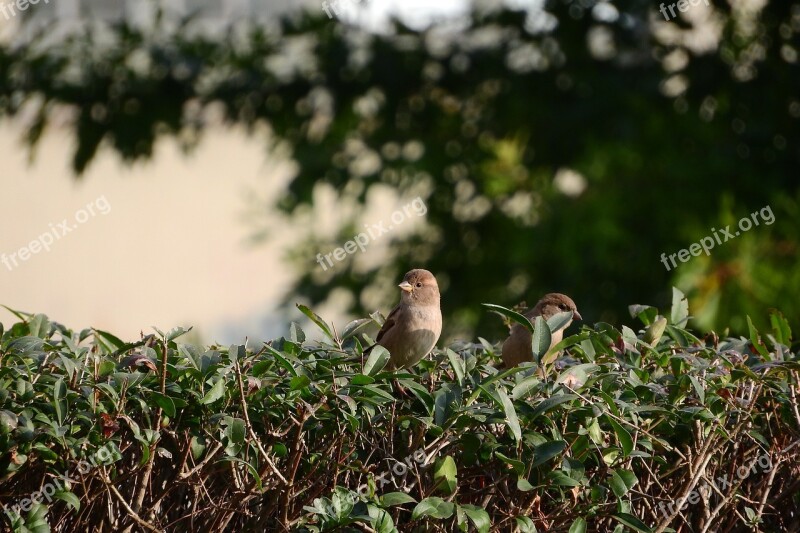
250	427
700	464
201	464
148	470
138	519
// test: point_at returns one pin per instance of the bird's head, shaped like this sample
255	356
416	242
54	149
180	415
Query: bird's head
420	288
554	303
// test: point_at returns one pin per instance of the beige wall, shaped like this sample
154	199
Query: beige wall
171	251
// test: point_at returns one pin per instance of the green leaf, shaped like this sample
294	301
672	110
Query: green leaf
445	475
381	520
680	308
559	321
523	485
39	326
522	388
19	314
551	402
299	382
755	340
379	392
326	329
394	499
628	477
198	447
71	499
780	328
177	332
632	522
511	414
108	342
625	440
478	516
296	333
281	359
164	402
361	379
578	526
355	327
26	345
236	431
701	392
343	502
545	452
525	525
518	466
458	365
433	507
236	352
513	315
420	392
561	479
554	351
8	422
645	313
59	400
540	340
618	486
217	391
378	357
655	331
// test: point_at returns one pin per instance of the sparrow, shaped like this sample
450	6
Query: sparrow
413	327
517	347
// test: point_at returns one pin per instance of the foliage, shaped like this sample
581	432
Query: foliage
314	436
673	137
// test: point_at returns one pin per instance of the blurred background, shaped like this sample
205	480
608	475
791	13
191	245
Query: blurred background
513	148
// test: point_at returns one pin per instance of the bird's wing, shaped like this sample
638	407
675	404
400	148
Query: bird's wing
388	324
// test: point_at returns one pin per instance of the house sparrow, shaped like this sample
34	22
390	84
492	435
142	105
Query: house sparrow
517	347
413	327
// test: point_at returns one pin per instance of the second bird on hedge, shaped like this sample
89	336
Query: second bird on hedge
517	347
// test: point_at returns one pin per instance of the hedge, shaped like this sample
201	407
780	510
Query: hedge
646	427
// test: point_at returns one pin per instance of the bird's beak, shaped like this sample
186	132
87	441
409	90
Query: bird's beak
576	314
406	286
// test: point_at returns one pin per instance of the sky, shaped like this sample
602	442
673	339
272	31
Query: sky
374	14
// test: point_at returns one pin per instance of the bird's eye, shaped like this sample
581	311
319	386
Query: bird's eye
563	307
419	285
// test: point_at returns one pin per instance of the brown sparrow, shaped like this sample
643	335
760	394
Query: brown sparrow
517	347
413	327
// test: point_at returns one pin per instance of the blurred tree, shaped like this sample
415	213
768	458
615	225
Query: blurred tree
560	149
